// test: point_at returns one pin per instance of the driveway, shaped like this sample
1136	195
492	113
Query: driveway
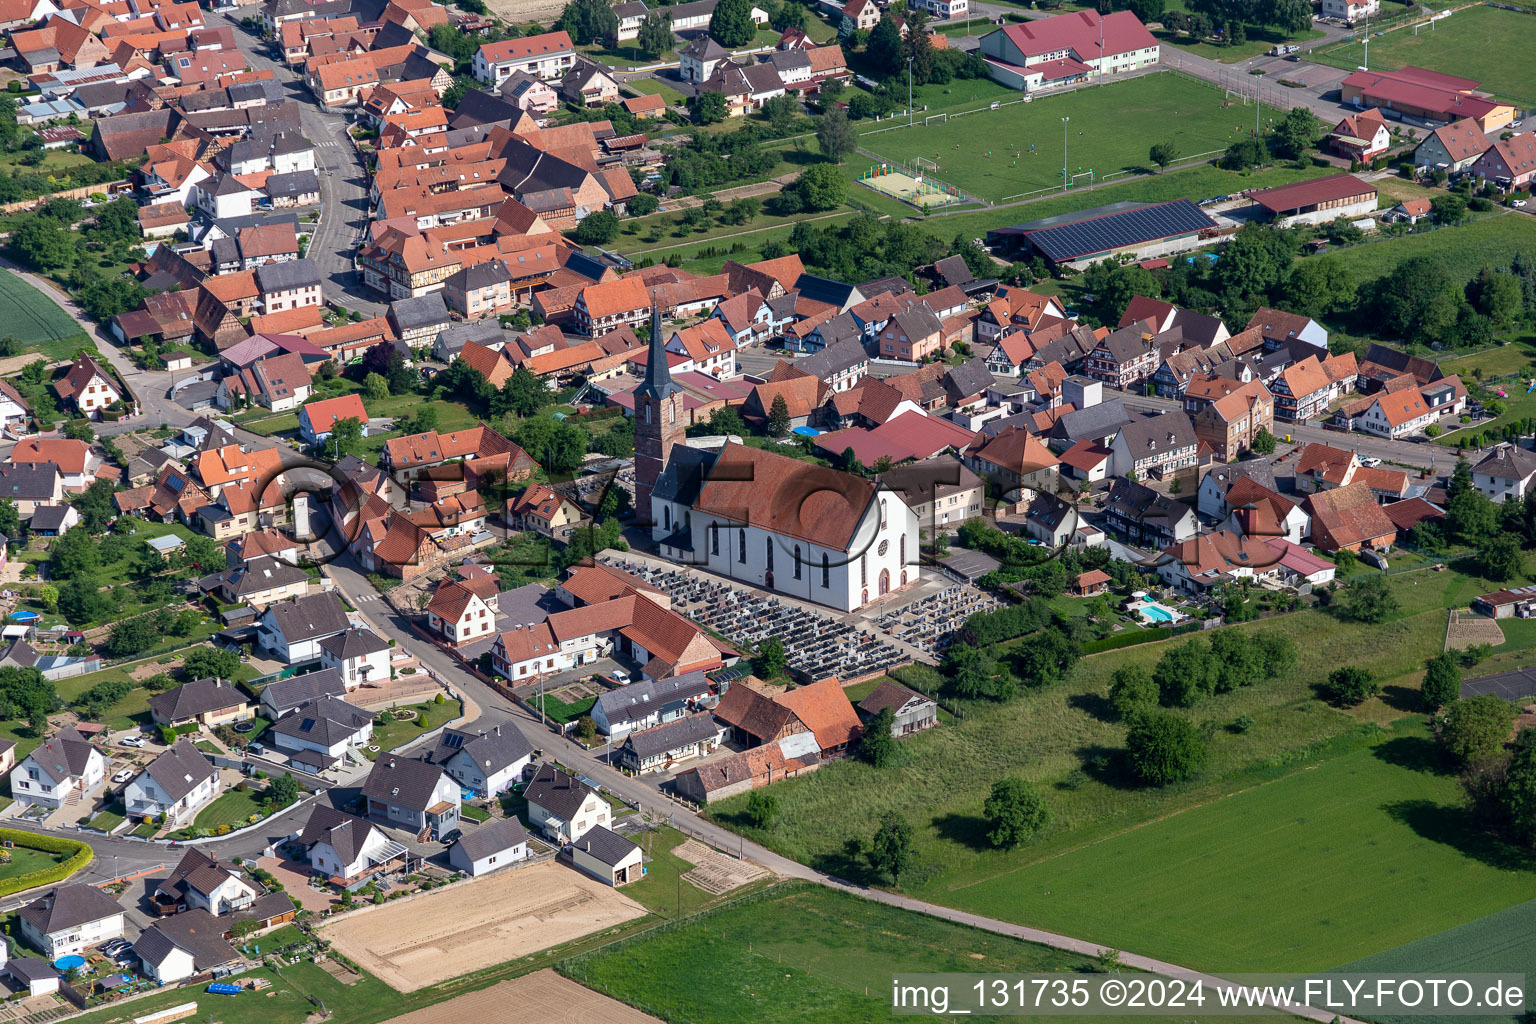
295	878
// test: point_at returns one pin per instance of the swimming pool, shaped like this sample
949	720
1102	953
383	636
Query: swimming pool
73	960
1157	613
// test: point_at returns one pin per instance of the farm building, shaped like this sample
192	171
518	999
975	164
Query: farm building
1316	201
1417	95
1141	230
607	856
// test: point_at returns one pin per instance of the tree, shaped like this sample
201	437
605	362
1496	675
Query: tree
1257	261
1132	691
346	438
1448	208
523	394
1042	658
1350	685
1278	651
597	228
283	790
459	45
1116	285
1263	442
731	25
1442	681
778	416
884	46
1186	674
131	636
1146	11
781	111
1236	659
917	47
1500	558
1319	286
10	519
1163	154
1165	748
655	37
47	595
1243	154
835	135
80	602
820	187
1016	812
1475	728
970	670
387	361
210	663
1296	132
203	553
708	107
891	852
877	744
587	21
1518	795
43	243
73	555
1367	598
762	805
771	661
375	388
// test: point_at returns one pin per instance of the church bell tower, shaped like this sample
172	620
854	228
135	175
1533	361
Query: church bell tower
658	420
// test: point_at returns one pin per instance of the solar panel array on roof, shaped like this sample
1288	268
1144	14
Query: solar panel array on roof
1066	242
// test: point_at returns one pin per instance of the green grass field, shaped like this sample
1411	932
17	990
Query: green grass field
428	717
1064	740
1308	872
1501	942
233	808
30	317
799	955
1187	112
1470	43
23	861
1462	250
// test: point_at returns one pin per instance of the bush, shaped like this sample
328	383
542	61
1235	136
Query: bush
1165	748
1350	685
79	856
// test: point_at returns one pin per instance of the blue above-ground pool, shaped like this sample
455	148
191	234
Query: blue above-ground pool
806	431
66	963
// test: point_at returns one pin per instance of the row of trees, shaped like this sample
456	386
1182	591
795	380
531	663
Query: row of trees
1193	671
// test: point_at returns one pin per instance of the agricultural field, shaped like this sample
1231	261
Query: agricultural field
33	319
1066	741
989	154
532	999
1471	43
1499	943
806	955
1463	250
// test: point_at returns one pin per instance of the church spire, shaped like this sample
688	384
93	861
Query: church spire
658	382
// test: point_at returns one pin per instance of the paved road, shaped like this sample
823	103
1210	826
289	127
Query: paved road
343	181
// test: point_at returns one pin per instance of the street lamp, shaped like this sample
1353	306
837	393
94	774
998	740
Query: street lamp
1064	178
909	92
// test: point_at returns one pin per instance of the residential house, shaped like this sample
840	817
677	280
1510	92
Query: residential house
1361	137
88	388
544	511
1451	148
318	417
1349	518
1051	520
412	795
174	787
942	492
347	849
1205	563
69	919
487	763
699	59
291	631
358	657
662	746
1216	483
1124	358
284	696
318	734
548	56
1227	415
588	84
911	711
1510	163
1015	458
1396	414
1154	447
1147	517
77	463
1505	473
176	948
1258	511
200	882
563	807
1302	391
257	583
464	610
208	702
741	772
484	289
647	703
490	847
30	487
1278	327
54	520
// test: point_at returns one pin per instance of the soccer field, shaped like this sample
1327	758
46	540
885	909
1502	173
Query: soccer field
29	316
997	154
1471	43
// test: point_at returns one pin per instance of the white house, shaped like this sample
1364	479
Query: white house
464	610
548	56
64	766
1350	10
293	630
1396	414
176	948
486	762
70	919
417	796
285	696
359	656
608	856
223	196
1081	46
490	847
325	727
646	703
1505	473
346	848
200	882
177	784
563	807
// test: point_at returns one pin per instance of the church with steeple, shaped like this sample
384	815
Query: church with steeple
764	519
658	420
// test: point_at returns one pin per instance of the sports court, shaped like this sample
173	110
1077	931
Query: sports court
910	186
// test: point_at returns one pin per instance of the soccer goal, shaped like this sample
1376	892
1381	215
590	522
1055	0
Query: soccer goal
941	118
919	161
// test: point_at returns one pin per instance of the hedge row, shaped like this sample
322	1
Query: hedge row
80	856
1145	636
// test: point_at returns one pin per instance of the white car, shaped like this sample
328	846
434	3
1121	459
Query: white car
123	776
621	677
1518	204
132	741
1370	463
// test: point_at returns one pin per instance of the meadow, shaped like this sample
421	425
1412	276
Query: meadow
33	319
798	954
1067	743
1462	250
1471	43
977	151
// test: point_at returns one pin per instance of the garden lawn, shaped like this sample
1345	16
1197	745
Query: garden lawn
655	87
975	152
32	318
799	954
23	861
233	807
658	890
428	717
1472	43
286	1001
1065	741
561	712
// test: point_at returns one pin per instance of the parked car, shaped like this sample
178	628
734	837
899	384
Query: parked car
1518	204
132	741
123	776
620	676
450	837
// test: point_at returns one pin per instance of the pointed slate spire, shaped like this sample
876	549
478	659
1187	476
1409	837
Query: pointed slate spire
658	382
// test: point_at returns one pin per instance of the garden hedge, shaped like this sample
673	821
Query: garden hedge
1145	636
80	856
